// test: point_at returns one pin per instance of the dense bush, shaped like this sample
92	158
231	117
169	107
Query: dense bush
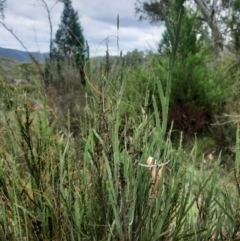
48	193
107	191
196	93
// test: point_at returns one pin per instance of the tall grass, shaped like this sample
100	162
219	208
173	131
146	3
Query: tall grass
47	193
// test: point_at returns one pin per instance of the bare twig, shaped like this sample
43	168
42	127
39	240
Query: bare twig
25	48
233	118
41	72
223	123
155	165
156	174
50	25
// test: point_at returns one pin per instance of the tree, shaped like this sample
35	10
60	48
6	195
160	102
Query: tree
235	25
2	7
215	14
69	42
135	58
208	12
194	98
153	10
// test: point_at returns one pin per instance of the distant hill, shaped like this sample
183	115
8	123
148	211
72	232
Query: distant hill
21	56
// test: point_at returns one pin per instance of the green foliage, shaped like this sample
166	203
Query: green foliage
134	58
48	193
196	92
192	84
27	69
225	76
195	97
235	24
190	42
66	69
155	11
66	94
8	68
105	191
69	41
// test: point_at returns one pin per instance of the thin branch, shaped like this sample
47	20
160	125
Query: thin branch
22	44
233	118
50	24
156	165
223	123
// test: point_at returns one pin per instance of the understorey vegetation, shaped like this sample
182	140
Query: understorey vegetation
142	146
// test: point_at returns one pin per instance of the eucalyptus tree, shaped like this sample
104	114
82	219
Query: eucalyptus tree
220	16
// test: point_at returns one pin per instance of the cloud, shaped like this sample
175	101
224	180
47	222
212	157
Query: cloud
98	18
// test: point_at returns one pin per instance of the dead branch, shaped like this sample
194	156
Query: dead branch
25	48
50	25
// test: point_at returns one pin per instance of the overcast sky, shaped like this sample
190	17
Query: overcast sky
28	20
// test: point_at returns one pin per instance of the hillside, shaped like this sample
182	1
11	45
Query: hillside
21	56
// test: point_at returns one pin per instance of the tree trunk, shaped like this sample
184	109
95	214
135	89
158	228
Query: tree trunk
208	17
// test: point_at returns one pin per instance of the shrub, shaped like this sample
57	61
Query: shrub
48	193
65	94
